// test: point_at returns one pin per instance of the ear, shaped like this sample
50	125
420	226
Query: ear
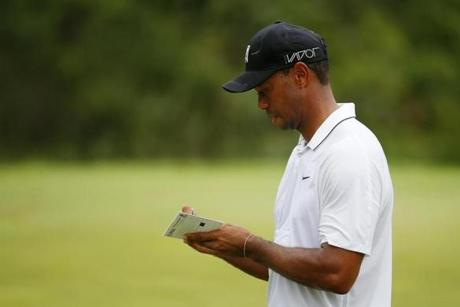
302	76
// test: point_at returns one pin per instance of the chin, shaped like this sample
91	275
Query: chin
281	124
288	126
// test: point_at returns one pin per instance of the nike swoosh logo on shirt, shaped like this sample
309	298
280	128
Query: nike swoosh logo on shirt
306	177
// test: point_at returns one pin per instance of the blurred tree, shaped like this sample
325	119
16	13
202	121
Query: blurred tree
100	79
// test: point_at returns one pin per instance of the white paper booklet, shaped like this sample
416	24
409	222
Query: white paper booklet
186	223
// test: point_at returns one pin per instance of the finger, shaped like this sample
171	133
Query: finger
202	236
187	209
202	249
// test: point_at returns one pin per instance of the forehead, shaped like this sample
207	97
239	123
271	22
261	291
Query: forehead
269	83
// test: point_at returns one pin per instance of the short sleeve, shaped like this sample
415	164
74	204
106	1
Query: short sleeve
349	206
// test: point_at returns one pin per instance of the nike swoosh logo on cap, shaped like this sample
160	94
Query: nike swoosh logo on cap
255	52
306	177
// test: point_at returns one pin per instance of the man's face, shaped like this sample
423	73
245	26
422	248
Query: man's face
280	99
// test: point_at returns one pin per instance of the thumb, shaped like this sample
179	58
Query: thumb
187	209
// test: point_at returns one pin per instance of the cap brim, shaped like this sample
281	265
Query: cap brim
248	80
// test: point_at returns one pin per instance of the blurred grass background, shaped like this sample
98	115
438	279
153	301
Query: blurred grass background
91	234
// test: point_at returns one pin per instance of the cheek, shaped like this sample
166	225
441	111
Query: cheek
295	102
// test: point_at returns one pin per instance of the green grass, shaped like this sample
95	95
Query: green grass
91	234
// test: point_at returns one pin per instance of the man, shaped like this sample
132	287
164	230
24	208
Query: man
332	244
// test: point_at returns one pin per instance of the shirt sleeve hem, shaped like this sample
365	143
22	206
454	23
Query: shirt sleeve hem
357	248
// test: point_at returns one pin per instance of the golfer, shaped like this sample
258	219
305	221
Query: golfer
332	242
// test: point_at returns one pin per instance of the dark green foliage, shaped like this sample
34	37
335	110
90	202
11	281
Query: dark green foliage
101	79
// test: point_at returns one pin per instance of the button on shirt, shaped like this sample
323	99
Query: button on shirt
337	189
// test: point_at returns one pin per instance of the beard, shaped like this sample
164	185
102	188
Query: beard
283	124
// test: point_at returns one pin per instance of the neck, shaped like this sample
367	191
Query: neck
320	103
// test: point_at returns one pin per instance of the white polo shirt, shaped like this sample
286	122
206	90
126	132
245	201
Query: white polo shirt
337	189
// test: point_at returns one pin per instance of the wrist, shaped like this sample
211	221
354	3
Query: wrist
245	245
257	249
253	248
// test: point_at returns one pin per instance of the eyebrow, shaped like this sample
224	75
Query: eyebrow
263	88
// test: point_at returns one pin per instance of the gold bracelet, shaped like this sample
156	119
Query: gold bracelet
245	242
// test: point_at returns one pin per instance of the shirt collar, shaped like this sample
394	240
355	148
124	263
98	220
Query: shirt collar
345	111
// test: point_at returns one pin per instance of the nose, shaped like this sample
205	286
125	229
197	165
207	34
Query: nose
262	104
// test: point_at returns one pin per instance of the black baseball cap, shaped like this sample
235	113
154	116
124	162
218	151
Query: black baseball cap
276	47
